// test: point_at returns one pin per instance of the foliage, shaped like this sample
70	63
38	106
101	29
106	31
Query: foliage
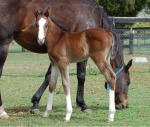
141	25
123	7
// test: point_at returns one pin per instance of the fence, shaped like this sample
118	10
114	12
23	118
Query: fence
135	40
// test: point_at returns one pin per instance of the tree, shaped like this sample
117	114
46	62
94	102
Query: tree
123	7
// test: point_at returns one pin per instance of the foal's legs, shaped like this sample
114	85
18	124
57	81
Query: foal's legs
64	70
52	87
106	69
81	72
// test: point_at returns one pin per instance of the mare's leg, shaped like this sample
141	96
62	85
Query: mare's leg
81	73
3	54
106	69
52	87
4	45
64	70
3	114
37	96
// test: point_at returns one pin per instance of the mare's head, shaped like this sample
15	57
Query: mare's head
42	25
122	84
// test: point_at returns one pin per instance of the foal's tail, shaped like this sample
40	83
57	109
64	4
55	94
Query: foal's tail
114	45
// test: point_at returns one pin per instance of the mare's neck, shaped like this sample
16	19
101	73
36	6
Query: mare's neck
54	33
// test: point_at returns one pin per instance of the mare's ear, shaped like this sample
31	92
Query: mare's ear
128	65
48	12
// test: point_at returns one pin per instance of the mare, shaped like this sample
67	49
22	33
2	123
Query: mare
18	23
66	47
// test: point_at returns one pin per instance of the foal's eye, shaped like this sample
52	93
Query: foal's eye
37	25
46	26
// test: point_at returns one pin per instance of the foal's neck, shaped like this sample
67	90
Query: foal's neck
54	33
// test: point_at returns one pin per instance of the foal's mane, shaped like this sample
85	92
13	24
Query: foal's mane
59	25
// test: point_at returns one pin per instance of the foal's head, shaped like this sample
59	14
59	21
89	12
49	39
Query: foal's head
42	25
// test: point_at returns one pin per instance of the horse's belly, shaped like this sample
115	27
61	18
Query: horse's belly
27	38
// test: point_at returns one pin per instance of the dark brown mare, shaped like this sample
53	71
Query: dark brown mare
17	22
67	47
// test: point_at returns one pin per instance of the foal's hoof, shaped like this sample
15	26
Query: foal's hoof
34	111
46	114
4	116
109	121
66	121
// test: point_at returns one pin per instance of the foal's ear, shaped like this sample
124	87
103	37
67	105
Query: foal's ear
48	12
36	13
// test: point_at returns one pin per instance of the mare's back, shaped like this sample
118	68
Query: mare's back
9	20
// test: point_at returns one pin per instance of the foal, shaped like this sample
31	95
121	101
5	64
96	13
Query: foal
64	48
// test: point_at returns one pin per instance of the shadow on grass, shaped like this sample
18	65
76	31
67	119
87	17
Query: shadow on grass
58	114
26	109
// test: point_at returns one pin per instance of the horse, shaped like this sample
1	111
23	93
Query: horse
70	16
68	47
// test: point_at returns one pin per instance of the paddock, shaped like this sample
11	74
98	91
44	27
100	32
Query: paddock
18	86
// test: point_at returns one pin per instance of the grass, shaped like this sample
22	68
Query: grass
24	72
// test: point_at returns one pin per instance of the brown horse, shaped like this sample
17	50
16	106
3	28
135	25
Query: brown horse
17	22
65	47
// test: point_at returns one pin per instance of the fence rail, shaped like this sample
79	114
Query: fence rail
129	19
137	37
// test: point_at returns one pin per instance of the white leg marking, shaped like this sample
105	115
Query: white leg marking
41	36
53	81
111	105
69	107
49	104
64	70
3	114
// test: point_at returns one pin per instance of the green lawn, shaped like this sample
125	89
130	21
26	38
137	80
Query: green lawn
24	72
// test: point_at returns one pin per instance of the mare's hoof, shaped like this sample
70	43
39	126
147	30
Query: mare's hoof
4	116
86	111
34	111
120	107
124	106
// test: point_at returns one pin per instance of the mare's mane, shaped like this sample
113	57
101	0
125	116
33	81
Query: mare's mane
106	23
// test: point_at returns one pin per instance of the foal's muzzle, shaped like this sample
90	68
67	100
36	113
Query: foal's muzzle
41	41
